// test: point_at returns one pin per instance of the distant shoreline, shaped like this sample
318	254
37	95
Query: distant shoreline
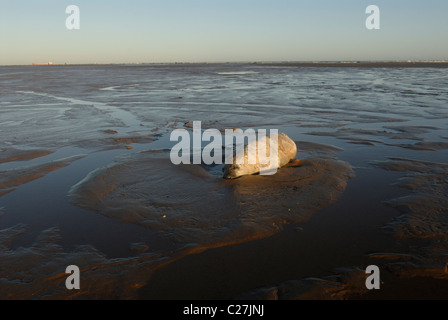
361	64
338	64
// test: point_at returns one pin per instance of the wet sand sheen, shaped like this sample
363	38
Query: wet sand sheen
368	113
336	236
9	180
232	214
191	206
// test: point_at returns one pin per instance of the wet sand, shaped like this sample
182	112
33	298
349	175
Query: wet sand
96	188
12	154
11	179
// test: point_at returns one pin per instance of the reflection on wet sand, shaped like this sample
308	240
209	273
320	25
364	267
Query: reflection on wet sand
11	179
191	206
424	216
38	272
383	119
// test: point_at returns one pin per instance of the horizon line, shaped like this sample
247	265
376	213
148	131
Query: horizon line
342	62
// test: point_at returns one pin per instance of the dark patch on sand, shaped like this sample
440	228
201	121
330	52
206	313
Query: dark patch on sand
423	222
425	209
343	283
425	146
424	219
9	180
38	271
191	205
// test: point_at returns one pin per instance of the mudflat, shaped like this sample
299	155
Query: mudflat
86	179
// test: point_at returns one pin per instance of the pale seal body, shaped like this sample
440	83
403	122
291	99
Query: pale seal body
287	151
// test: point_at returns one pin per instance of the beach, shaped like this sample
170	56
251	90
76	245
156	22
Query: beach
86	179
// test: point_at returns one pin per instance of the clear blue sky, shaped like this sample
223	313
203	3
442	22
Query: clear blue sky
217	30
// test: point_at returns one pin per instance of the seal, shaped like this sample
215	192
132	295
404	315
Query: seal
287	151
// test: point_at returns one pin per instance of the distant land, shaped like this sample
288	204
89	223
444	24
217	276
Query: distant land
365	64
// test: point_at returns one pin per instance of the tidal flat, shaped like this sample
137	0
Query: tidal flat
86	179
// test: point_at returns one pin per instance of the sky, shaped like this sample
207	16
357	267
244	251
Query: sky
153	31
